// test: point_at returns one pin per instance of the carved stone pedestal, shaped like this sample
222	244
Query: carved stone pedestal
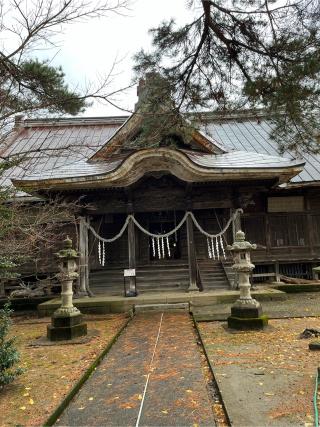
66	328
314	345
247	316
66	322
246	313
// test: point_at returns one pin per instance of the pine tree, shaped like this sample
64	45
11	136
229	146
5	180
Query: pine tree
240	54
32	86
9	355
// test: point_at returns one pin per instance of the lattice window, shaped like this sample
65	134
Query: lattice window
299	270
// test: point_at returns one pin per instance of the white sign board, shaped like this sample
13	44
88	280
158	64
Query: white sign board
129	272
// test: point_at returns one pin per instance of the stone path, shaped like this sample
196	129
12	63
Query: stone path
176	393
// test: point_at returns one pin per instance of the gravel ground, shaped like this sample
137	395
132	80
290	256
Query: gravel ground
305	304
266	378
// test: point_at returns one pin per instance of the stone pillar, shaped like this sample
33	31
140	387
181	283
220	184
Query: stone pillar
246	313
66	322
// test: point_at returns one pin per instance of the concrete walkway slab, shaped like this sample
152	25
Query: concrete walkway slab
176	393
118	304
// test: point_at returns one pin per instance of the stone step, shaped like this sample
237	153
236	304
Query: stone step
162	279
214	283
159	290
182	306
212	278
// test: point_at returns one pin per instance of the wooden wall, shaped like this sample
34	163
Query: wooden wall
284	236
281	236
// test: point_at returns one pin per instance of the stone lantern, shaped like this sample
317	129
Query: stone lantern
66	322
246	313
316	271
315	345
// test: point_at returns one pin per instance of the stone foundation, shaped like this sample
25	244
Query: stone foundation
246	311
242	323
66	328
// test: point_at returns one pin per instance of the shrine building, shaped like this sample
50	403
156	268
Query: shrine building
167	213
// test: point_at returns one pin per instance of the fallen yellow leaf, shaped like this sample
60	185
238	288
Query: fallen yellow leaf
23	408
31	401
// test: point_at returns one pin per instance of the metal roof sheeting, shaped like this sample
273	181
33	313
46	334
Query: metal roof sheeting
47	147
61	147
234	160
251	135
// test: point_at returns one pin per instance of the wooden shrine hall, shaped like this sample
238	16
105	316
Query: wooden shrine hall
168	212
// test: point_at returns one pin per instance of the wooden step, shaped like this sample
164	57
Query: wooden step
157	277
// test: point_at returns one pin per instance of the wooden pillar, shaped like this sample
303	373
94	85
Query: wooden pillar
236	224
84	259
310	234
2	288
131	291
268	235
191	257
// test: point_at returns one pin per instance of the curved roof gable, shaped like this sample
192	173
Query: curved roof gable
185	165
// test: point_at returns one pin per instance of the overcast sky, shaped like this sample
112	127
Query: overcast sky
89	49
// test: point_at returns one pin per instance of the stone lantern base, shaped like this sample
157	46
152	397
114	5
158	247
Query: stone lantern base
247	316
314	345
66	327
